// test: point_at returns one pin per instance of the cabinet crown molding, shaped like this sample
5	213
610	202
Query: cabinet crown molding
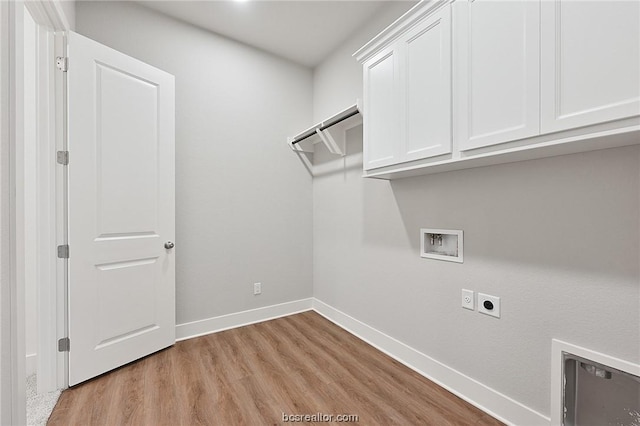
413	16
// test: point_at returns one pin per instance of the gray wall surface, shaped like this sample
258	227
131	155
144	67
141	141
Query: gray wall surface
243	201
557	239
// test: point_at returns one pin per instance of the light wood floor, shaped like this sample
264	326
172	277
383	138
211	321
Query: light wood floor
302	364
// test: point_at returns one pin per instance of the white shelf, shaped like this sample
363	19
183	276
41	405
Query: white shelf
331	132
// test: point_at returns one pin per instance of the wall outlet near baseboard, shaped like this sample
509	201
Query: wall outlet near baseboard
257	288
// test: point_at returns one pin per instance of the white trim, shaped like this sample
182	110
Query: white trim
411	18
18	349
557	373
31	362
48	13
485	398
61	225
225	322
51	364
12	350
46	216
12	306
6	286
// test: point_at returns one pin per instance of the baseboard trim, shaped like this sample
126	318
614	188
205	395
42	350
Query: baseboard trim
31	364
225	322
485	398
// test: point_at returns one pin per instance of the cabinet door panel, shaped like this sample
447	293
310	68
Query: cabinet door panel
496	61
381	122
427	87
590	62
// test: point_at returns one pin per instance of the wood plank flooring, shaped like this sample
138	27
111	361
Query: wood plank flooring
301	364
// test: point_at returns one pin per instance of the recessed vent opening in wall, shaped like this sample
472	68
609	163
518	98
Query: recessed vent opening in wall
597	394
441	244
592	388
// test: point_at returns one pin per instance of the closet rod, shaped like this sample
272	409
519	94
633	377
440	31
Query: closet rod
330	123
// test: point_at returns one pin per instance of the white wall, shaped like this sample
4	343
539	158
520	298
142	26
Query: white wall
337	81
243	200
557	239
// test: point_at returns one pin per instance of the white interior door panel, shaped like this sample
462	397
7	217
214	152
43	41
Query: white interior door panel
121	208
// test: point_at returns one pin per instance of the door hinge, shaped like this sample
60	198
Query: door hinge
63	251
62	157
64	344
62	63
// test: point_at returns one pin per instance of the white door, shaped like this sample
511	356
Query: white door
426	51
590	62
121	209
496	63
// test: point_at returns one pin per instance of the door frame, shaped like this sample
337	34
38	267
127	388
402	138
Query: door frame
51	198
12	351
52	24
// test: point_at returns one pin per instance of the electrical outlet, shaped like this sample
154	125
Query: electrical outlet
489	305
468	299
257	288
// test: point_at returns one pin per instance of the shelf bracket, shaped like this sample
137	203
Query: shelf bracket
331	132
328	139
298	147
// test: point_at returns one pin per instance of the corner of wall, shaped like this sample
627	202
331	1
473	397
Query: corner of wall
472	391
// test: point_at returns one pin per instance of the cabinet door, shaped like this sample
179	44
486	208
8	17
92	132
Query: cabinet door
496	66
381	109
590	62
426	84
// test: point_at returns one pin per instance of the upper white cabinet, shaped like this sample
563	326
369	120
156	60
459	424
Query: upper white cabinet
407	95
426	51
497	63
590	62
466	83
382	103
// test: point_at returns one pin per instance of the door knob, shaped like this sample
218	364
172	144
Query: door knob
169	245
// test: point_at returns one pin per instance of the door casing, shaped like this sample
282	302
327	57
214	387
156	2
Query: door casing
51	20
51	200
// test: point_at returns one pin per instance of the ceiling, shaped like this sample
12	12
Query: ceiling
303	31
